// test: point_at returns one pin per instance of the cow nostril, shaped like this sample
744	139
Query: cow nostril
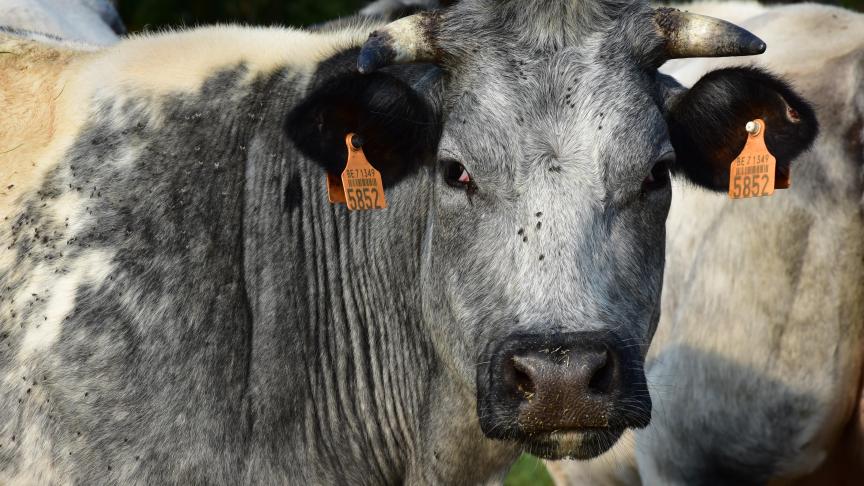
561	388
524	383
601	381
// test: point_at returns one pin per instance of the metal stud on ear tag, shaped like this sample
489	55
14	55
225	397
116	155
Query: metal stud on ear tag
752	173
364	189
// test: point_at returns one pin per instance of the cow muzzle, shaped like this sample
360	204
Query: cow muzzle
562	395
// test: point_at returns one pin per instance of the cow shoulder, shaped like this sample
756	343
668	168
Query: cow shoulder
32	80
180	62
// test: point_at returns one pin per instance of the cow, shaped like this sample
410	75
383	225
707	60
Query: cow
181	303
755	382
85	21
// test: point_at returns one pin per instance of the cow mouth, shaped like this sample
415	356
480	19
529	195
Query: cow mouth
569	395
582	444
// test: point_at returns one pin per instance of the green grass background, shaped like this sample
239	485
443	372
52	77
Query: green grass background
528	470
154	14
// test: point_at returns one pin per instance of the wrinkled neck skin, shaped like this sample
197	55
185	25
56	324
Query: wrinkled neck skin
341	355
214	319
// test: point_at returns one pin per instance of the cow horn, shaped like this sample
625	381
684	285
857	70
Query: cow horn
411	39
691	35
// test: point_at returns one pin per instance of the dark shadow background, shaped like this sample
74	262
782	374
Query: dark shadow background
154	14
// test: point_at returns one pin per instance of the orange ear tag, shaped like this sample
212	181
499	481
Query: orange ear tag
364	189
335	191
752	173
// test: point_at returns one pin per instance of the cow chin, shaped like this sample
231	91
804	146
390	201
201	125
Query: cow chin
577	444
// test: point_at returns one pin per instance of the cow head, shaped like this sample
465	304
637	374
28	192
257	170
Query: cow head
548	138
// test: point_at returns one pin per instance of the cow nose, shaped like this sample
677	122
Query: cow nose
562	373
531	386
564	388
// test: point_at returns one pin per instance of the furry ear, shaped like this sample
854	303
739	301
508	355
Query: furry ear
707	123
399	128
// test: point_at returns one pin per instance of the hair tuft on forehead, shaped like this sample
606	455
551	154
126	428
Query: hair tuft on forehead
547	24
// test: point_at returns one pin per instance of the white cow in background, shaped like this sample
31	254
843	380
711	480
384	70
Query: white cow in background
87	21
755	371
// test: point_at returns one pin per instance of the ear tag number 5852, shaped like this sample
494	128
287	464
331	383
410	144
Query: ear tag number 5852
361	183
752	173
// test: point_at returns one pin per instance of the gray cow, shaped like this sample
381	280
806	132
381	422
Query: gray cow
756	369
88	21
180	303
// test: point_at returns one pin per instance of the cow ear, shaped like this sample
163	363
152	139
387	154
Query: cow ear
707	123
398	126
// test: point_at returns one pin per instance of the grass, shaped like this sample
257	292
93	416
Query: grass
528	471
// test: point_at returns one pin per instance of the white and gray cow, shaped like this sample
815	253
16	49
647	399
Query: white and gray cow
756	368
86	21
179	303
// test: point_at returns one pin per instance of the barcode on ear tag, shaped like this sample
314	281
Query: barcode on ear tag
364	189
752	173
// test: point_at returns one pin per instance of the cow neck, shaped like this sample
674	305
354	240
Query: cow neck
337	292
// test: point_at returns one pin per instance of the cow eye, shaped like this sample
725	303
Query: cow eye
456	175
658	178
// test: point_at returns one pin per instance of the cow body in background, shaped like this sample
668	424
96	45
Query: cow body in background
755	370
88	21
181	304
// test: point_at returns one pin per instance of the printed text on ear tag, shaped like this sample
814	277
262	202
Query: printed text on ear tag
752	173
364	189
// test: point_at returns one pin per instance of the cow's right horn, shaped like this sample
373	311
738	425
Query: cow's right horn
411	39
691	35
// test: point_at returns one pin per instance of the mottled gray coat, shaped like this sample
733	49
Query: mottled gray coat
180	304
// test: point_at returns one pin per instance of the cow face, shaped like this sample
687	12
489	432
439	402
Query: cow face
548	137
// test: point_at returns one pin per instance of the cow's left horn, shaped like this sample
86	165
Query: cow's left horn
411	39
691	35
